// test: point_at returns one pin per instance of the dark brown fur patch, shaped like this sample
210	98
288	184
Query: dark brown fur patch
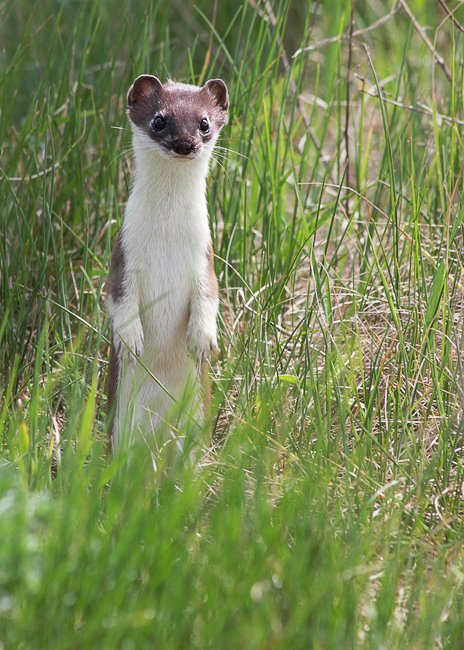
111	391
116	292
213	288
116	274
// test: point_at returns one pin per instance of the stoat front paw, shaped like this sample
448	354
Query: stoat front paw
128	341
201	344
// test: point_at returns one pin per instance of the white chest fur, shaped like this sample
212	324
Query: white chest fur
166	237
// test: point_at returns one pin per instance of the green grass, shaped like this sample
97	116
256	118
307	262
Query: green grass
327	508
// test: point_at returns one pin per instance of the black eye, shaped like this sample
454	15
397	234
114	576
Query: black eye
204	125
158	123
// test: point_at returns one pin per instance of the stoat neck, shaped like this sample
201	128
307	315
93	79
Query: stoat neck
184	178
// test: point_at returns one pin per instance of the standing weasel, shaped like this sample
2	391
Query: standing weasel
162	288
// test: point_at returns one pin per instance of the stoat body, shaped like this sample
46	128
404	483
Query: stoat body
162	288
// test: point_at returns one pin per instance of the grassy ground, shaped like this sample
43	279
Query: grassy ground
327	509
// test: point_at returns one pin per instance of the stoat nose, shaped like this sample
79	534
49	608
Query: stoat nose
182	147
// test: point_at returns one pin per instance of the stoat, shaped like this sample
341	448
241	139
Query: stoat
162	288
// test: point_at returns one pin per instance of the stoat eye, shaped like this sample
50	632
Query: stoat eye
204	125
158	123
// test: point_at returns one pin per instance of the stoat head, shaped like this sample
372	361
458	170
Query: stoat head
179	121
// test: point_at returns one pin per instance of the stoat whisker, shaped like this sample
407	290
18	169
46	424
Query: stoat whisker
214	157
237	153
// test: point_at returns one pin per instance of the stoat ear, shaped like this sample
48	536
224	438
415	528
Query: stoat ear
217	89
143	87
